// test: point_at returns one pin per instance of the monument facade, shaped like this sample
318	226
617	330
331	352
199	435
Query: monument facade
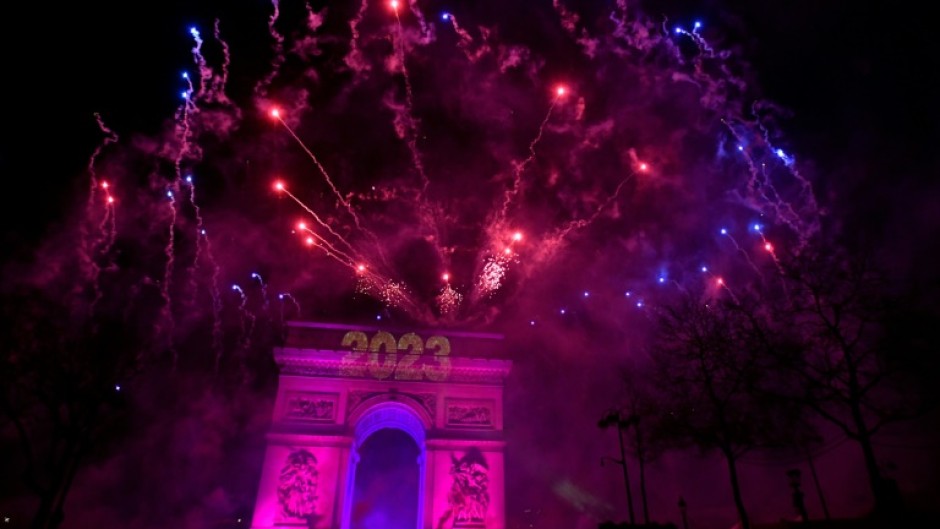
339	384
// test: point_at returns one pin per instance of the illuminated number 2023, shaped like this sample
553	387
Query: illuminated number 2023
412	365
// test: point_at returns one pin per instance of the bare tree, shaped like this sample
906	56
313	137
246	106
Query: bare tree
854	372
60	382
710	372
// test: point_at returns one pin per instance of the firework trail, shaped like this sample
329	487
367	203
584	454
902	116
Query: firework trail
278	59
427	30
485	235
723	284
264	289
246	319
747	256
781	273
638	35
205	73
716	90
197	212
106	230
215	294
554	242
167	310
770	249
759	182
497	264
331	250
288	297
409	104
183	127
354	57
108	226
109	138
408	130
700	43
281	188
370	282
202	246
781	208
276	114
520	167
465	42
761	108
221	81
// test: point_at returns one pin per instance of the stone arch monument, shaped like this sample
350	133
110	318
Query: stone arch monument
339	384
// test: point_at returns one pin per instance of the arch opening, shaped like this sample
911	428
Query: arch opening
386	473
386	483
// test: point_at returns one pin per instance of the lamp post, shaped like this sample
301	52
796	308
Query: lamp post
682	511
794	477
615	418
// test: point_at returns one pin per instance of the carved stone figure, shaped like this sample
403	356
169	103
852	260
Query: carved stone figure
469	495
297	485
311	408
469	415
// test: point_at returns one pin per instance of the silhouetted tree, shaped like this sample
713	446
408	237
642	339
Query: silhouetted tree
854	372
60	378
710	371
78	332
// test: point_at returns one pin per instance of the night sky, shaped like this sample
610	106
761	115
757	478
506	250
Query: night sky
620	194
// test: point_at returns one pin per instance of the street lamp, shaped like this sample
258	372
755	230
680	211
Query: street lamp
793	475
682	511
614	418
